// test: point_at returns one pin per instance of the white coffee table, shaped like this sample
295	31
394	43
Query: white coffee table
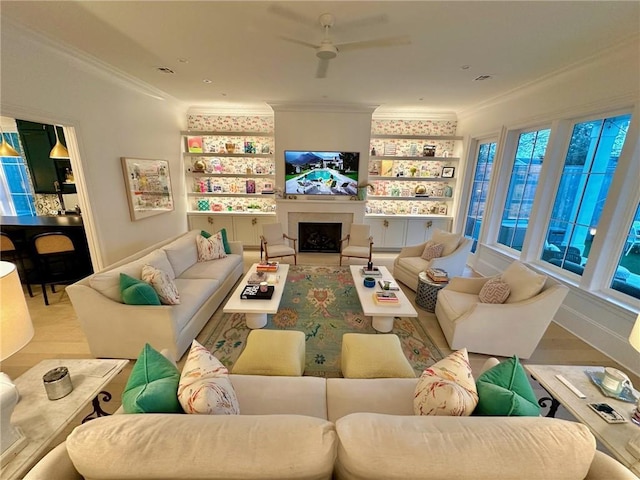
382	315
256	311
613	436
42	420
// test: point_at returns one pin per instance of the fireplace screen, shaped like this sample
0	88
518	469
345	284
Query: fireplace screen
319	237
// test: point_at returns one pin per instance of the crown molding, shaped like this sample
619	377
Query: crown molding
553	77
411	113
84	61
323	107
233	109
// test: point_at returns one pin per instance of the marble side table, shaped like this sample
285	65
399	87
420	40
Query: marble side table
42	420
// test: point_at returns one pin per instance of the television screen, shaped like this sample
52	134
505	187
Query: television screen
321	173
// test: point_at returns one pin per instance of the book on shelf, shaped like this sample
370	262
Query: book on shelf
252	292
374	272
267	267
194	144
393	286
386	298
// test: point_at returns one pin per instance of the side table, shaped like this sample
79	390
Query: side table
41	419
427	292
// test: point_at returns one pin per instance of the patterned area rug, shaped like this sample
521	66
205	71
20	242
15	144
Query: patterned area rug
321	302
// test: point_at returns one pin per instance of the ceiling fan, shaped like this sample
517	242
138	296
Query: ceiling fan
326	49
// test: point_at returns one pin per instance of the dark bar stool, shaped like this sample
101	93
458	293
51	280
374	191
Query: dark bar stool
9	252
56	261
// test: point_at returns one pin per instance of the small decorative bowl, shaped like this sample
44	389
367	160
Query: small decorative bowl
369	282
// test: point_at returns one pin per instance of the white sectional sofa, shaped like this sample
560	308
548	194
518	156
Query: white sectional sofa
315	428
116	330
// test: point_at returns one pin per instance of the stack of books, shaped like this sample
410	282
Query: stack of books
374	272
252	292
437	275
386	298
267	267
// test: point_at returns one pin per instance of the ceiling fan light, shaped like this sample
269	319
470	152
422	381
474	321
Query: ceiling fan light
326	52
58	150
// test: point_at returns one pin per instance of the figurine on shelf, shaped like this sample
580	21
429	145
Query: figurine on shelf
373	151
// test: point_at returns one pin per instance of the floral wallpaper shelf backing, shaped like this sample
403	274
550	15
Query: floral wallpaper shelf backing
229	163
411	167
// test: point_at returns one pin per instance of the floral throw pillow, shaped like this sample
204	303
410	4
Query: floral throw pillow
210	248
494	290
447	388
432	250
162	284
204	386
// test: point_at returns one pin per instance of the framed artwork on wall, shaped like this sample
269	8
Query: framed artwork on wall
148	186
448	172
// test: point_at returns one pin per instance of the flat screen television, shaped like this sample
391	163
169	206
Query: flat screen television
321	173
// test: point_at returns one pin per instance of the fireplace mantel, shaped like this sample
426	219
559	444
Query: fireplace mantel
291	212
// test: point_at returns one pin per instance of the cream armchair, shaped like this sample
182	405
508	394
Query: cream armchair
359	243
409	263
505	329
275	243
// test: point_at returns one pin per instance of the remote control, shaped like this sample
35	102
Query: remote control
573	389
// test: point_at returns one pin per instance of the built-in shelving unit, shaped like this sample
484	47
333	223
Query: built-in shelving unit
229	171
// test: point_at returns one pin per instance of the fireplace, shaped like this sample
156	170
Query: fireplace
319	237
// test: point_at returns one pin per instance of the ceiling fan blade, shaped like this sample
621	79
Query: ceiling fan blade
299	42
323	66
361	22
380	42
289	14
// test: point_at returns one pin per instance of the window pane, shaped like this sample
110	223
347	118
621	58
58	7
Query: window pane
588	170
17	197
522	187
626	279
480	187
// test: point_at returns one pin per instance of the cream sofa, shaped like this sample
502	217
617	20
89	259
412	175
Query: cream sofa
116	330
315	428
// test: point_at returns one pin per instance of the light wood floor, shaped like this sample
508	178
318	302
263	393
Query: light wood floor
58	335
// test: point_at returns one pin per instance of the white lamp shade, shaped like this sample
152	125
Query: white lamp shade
634	338
16	329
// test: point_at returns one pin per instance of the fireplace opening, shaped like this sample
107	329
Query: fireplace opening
319	237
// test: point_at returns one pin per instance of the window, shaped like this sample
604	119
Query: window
479	189
626	278
522	187
589	166
16	196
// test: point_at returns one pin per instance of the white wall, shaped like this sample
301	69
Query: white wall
319	127
112	118
602	85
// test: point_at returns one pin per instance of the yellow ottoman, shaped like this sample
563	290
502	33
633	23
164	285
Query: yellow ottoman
374	356
272	352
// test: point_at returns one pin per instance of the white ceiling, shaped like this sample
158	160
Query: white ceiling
236	46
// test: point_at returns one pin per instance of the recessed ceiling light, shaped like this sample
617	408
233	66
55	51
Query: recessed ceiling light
165	70
223	94
482	77
465	67
421	99
183	60
206	80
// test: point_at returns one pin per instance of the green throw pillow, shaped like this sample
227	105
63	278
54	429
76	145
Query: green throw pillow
225	242
504	390
137	292
153	385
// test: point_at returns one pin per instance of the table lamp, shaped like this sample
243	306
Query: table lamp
16	330
634	444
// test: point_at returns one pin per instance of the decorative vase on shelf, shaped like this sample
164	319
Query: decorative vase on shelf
448	191
362	193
